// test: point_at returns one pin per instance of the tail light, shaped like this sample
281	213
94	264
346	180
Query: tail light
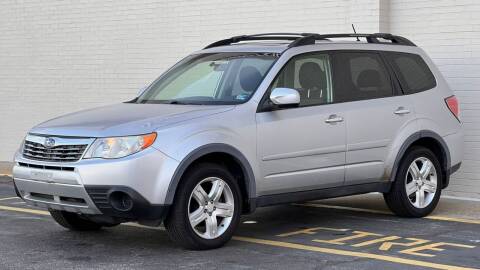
452	104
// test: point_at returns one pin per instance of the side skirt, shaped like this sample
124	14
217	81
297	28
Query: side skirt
318	194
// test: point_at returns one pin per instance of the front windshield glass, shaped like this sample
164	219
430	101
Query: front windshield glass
214	78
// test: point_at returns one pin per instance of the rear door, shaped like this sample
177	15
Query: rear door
377	112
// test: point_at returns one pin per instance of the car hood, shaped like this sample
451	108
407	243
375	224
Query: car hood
124	119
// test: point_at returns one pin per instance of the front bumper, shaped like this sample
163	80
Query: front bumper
71	198
140	210
85	186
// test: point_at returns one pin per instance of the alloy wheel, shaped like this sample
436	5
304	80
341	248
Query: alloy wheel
211	207
421	182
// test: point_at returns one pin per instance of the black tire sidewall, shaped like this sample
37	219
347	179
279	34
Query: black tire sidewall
180	211
413	154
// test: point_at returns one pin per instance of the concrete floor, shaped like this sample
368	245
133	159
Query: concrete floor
448	207
301	236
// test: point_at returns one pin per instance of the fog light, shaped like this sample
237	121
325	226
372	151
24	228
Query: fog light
121	201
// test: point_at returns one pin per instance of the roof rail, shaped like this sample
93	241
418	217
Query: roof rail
371	38
264	36
301	39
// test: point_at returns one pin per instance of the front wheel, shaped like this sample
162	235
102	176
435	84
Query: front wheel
417	187
206	209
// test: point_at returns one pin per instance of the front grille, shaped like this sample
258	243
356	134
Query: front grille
60	153
46	167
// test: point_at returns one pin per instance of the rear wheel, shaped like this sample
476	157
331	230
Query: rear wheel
206	210
417	187
76	222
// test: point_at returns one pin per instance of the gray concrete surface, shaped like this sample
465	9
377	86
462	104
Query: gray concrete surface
272	238
447	207
5	179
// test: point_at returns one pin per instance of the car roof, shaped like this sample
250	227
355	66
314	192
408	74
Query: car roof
279	42
263	47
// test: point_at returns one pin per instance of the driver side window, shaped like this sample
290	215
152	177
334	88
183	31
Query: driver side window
310	75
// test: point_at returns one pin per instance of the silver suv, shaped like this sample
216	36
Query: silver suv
252	121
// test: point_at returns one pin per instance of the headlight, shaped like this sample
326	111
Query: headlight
117	147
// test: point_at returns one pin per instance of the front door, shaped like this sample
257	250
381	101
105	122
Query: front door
303	148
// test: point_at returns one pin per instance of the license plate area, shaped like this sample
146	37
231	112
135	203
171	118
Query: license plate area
44	176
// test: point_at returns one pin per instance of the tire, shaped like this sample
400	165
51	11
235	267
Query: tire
74	222
178	225
414	205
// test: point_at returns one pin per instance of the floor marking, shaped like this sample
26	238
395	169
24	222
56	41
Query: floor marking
432	217
17	203
378	240
318	205
461	198
25	210
46	213
432	246
9	198
350	253
342	240
131	224
292	246
461	220
311	231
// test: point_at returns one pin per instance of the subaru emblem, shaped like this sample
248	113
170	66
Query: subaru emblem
49	142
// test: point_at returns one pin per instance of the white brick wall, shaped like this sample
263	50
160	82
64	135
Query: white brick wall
450	33
62	56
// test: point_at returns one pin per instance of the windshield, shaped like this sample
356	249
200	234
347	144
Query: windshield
214	78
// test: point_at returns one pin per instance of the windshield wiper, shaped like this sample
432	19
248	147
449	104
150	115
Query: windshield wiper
175	101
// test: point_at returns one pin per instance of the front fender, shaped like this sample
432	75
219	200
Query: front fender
188	143
208	149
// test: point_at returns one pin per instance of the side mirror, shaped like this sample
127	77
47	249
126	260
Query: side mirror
285	96
141	91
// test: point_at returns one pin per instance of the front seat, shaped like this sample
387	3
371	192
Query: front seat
250	78
312	81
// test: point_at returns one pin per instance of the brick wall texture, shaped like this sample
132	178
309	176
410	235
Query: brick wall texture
62	56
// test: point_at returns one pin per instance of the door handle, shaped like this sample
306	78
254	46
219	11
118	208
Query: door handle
334	119
401	110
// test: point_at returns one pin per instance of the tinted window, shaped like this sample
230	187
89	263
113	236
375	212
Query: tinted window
413	72
359	76
310	74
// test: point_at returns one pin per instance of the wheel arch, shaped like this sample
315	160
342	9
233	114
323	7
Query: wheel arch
248	185
434	142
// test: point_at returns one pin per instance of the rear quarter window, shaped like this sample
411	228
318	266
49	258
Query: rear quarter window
412	72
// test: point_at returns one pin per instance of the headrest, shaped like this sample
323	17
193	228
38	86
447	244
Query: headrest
369	78
311	76
250	78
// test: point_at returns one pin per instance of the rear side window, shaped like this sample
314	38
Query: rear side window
412	71
360	76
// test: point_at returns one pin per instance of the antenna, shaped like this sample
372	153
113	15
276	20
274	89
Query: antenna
355	31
